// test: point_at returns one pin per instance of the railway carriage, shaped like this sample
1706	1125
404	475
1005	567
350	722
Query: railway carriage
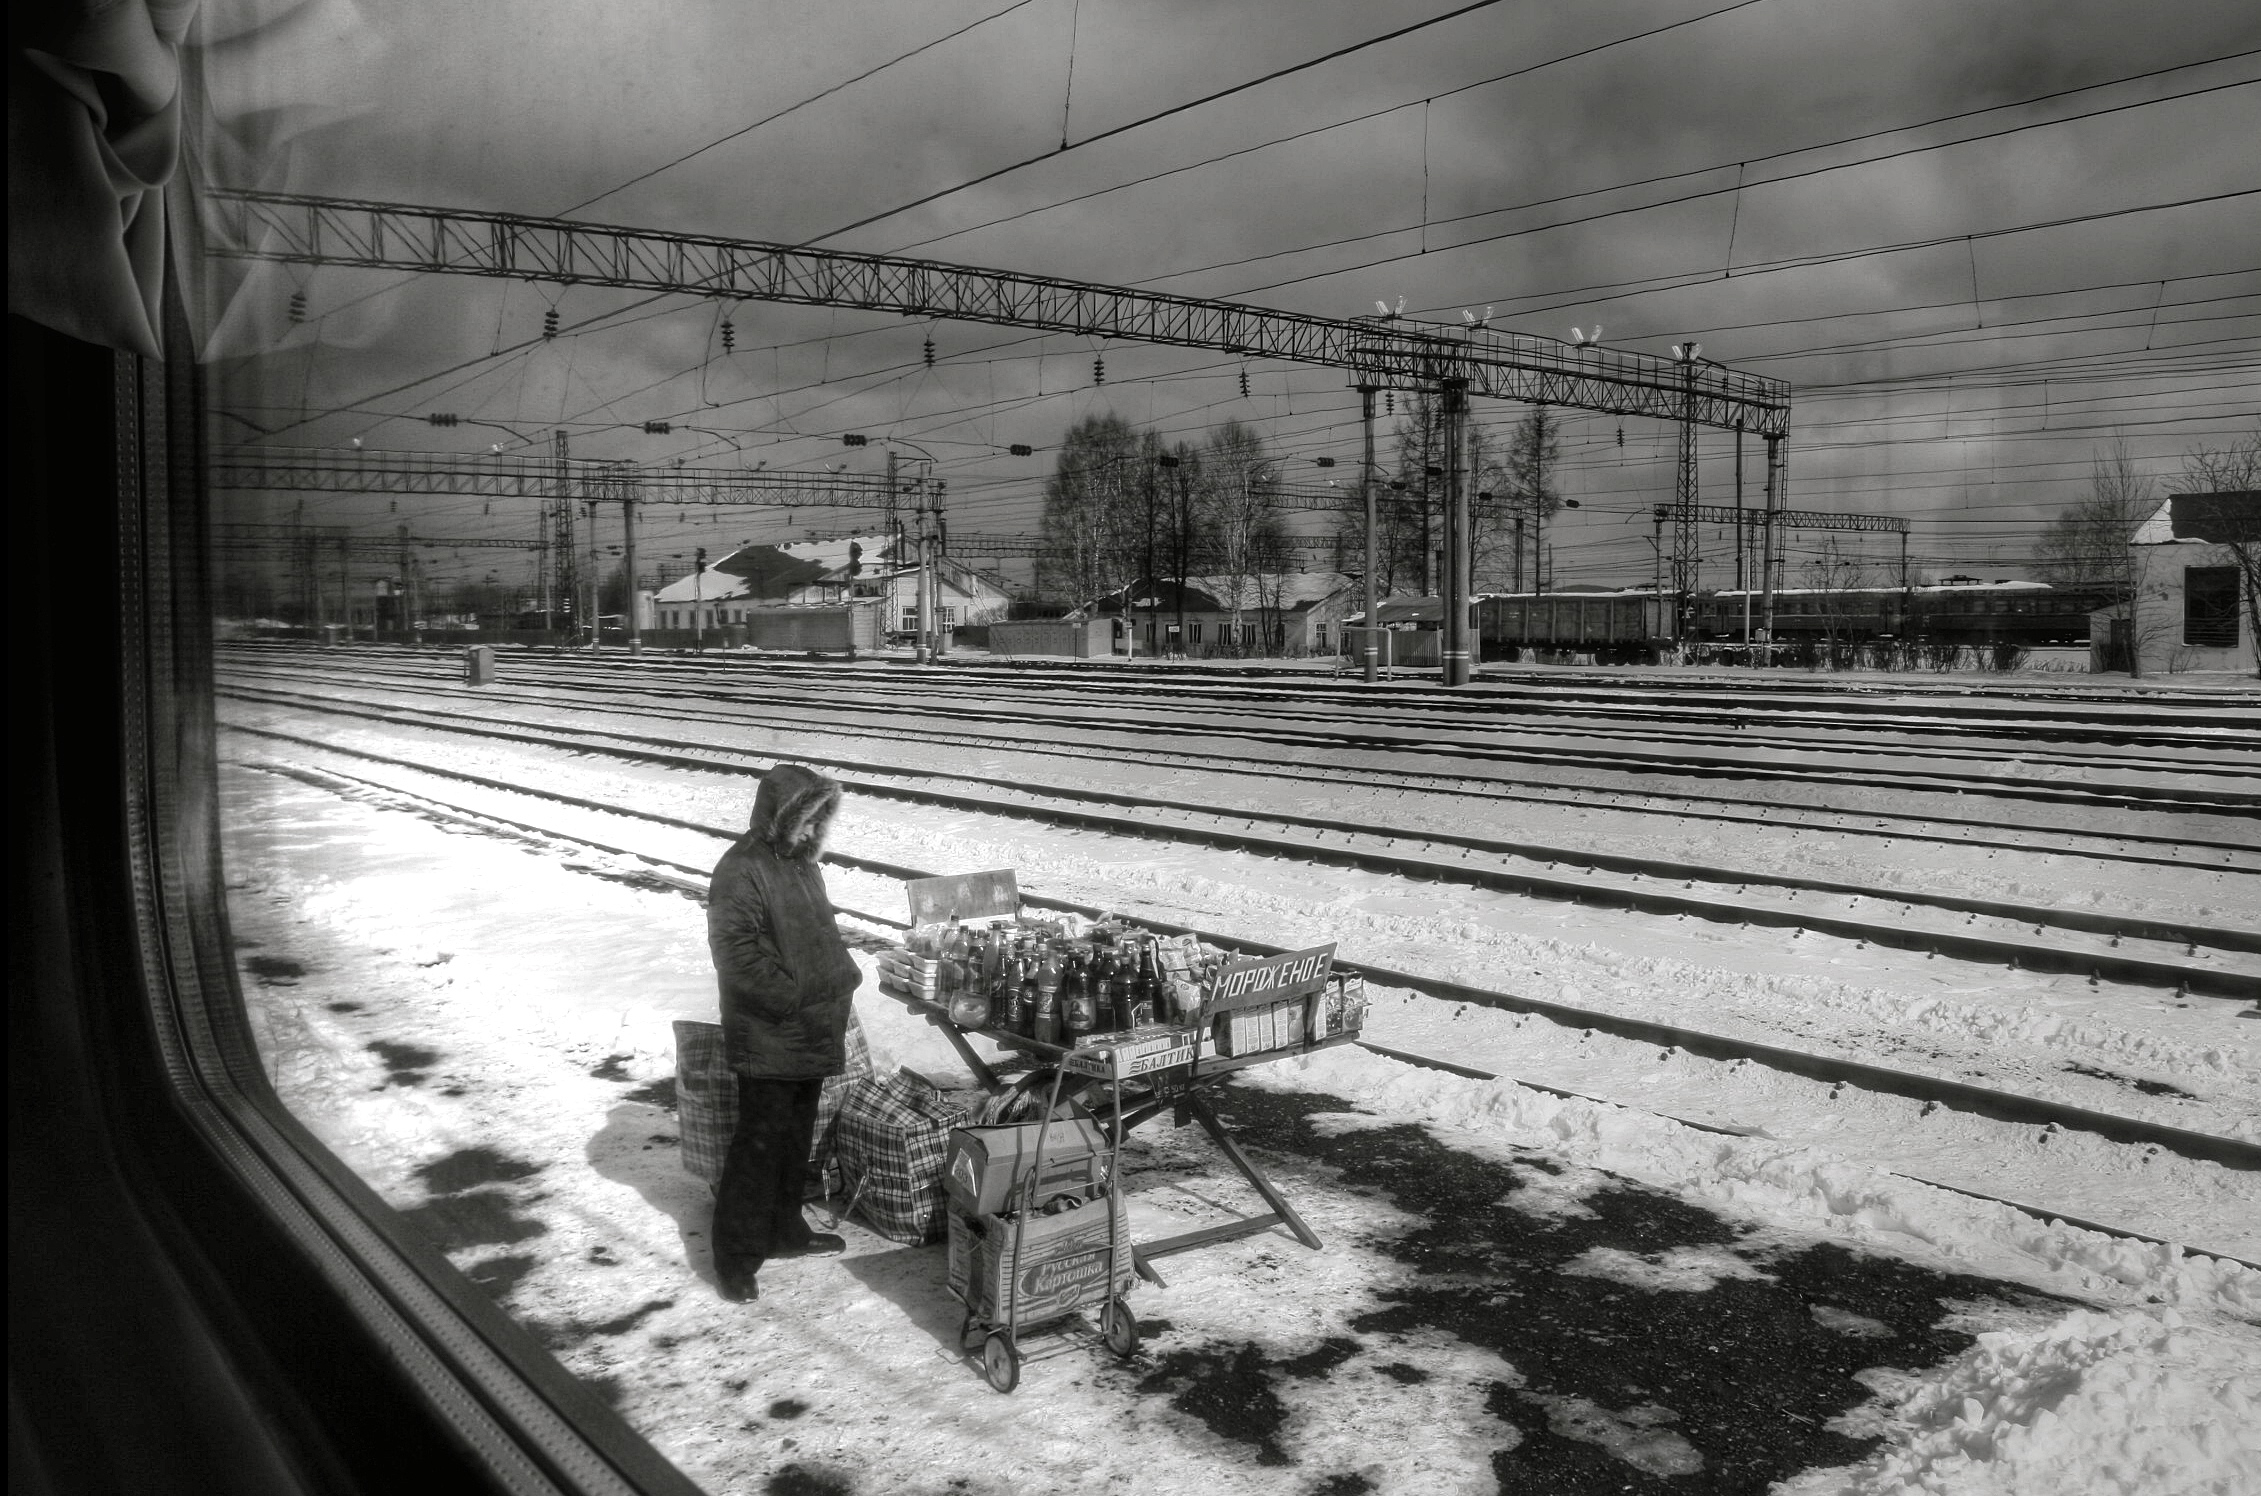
1618	627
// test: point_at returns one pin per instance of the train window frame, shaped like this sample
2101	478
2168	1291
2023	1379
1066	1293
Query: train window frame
522	1420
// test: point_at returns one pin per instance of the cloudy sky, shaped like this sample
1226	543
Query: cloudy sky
1979	241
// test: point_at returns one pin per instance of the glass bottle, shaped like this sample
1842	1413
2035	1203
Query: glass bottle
1118	991
1079	1012
1045	1022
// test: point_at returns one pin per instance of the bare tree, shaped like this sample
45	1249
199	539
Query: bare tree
2235	468
1836	572
2091	547
1524	489
1093	533
1241	525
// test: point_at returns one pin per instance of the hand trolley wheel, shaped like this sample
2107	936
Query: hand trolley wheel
1118	1327
1000	1362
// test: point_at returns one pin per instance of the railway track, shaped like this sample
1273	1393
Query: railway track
2179	851
1997	1105
1308	721
2079	941
998	728
2133	706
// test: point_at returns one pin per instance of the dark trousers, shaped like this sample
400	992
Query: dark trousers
757	1206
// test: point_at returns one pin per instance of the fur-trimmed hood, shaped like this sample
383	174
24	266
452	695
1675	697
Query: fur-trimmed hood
793	811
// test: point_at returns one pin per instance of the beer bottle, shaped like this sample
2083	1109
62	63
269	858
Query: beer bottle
1045	1021
1079	1007
1120	998
1146	1003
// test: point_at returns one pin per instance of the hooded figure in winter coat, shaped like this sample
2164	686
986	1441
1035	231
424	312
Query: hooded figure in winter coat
788	985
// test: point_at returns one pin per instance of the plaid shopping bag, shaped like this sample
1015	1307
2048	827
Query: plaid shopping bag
822	1164
706	1098
891	1138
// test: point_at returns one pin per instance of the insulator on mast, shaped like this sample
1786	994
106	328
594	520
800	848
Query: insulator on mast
729	337
930	353
1244	384
298	306
549	323
1099	370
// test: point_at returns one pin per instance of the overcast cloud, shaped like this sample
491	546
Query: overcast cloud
540	108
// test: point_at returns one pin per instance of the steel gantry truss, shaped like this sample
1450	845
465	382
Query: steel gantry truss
1380	351
515	476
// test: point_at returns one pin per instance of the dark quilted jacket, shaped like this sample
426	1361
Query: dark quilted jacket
786	977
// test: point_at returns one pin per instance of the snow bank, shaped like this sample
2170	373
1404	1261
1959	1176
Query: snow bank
2129	1402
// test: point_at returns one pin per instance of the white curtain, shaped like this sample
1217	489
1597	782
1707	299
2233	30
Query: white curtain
120	112
94	131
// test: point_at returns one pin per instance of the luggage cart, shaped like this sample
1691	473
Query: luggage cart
994	1327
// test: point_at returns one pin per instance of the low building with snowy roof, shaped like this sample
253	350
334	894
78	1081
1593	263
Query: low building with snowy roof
2197	599
860	569
1286	613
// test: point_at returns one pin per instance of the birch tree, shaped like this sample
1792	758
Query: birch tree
1093	533
1241	526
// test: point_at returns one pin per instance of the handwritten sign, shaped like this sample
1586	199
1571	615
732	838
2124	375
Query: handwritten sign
1252	981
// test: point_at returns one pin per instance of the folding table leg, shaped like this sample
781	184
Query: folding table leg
983	1076
1197	1104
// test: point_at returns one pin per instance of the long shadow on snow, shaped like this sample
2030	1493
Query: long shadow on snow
1612	1376
638	1147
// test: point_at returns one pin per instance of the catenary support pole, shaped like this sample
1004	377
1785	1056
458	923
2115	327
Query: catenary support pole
628	560
1742	543
1770	565
1686	544
921	651
1369	645
596	582
1457	569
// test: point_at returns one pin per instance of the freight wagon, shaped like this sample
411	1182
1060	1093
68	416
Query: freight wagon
1615	627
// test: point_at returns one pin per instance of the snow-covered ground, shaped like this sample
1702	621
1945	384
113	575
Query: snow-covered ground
2135	1051
1518	1292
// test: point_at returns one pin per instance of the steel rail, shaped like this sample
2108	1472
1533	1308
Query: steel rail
2003	1106
1134	815
1715	766
847	717
1439	781
1513	688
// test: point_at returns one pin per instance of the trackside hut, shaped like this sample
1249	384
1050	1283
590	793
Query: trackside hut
2198	564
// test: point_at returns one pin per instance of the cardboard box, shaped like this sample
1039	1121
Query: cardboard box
1148	1050
985	1163
1064	1261
1279	1025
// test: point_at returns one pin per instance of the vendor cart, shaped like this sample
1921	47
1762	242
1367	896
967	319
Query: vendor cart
1257	1009
1024	1267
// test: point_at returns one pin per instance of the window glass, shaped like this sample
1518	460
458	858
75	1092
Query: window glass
2210	606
